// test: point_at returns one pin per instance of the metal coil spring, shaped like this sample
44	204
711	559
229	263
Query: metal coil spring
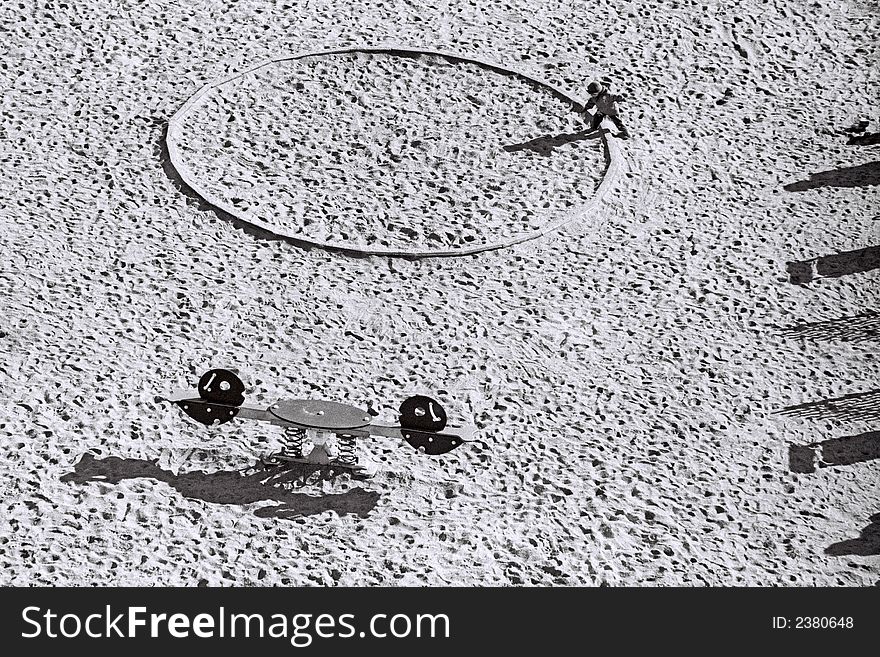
346	444
293	442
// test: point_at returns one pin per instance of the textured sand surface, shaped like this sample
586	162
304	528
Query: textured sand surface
372	151
685	390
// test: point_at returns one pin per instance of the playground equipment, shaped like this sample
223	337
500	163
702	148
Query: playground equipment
321	432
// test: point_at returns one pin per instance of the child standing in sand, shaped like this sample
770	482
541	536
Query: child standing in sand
606	105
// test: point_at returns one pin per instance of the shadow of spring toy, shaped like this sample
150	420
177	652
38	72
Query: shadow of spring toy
320	432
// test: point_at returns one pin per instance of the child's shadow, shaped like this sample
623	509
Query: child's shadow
230	487
545	145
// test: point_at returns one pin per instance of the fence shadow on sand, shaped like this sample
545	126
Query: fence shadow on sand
857	406
255	484
859	328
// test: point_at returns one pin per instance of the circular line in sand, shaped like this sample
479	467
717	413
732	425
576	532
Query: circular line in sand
613	160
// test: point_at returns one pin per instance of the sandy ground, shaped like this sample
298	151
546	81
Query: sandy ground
357	150
682	390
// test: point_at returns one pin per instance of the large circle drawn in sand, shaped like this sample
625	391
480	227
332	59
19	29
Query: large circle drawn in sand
392	151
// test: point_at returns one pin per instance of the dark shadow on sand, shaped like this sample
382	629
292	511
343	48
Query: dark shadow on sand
863	175
870	139
866	545
847	450
857	406
859	328
548	143
833	266
256	484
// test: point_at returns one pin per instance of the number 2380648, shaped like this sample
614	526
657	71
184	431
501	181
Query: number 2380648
814	622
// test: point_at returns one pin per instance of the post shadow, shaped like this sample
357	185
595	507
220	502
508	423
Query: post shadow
862	175
857	406
869	139
866	545
230	487
859	328
847	450
546	144
834	266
